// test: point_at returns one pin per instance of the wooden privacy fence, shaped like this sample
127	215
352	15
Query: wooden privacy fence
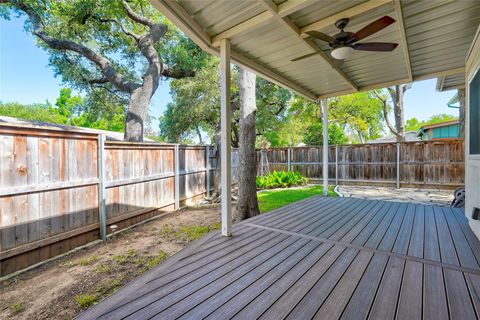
62	189
433	164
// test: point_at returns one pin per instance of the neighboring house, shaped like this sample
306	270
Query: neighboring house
410	136
440	131
110	135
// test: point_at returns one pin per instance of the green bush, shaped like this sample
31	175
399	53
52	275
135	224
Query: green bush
281	179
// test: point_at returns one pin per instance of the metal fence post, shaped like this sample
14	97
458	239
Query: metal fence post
336	165
289	158
177	177
398	165
102	193
207	169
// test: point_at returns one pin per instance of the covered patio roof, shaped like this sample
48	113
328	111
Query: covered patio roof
265	35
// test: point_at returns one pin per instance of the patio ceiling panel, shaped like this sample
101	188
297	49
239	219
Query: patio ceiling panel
434	38
216	16
439	33
455	81
281	49
321	10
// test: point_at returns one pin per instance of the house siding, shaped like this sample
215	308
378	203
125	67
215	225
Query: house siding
447	132
472	162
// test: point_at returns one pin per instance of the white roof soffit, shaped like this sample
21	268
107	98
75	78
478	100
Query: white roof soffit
433	36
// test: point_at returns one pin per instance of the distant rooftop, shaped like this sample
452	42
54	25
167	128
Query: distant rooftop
410	136
110	135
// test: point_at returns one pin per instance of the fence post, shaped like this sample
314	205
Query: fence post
398	165
336	165
207	169
289	159
177	177
102	193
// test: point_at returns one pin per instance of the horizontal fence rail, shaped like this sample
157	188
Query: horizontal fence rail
63	189
432	164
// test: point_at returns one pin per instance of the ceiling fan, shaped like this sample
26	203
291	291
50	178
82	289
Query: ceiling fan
344	42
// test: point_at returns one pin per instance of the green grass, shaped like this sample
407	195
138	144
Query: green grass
269	200
187	233
16	307
86	300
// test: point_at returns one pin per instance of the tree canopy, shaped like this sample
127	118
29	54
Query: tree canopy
196	106
113	51
415	124
71	110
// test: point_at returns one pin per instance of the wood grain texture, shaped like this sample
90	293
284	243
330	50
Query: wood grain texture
433	164
49	189
325	258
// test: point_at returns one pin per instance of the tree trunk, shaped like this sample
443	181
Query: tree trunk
247	204
138	108
400	114
396	94
461	115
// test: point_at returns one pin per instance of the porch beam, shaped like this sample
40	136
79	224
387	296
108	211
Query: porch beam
403	37
449	72
284	9
348	13
270	75
225	138
295	30
325	147
177	14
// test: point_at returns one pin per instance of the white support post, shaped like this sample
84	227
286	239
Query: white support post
289	159
207	170
177	177
225	135
398	165
325	147
102	192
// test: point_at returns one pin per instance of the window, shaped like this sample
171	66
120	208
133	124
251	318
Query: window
474	111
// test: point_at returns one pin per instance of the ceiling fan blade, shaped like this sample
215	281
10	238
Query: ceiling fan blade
305	56
372	28
375	46
320	36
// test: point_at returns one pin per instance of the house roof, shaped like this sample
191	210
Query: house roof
410	136
21	123
438	125
265	35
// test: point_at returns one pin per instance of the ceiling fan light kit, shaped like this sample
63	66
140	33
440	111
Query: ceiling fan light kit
344	42
342	52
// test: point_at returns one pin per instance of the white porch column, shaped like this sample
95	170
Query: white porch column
325	146
225	134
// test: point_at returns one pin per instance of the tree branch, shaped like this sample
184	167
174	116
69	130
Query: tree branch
136	17
385	113
121	25
103	63
98	81
176	74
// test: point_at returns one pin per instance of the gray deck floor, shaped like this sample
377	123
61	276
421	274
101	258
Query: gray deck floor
322	258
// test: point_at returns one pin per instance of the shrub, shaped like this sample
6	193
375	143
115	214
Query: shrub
281	179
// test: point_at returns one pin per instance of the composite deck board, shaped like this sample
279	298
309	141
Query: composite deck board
322	258
434	296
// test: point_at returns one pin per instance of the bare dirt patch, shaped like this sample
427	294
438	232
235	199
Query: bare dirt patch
63	288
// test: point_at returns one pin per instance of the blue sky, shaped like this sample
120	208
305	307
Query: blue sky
26	78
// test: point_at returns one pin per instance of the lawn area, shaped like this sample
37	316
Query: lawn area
273	199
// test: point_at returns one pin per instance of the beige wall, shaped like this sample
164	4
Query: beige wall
472	168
